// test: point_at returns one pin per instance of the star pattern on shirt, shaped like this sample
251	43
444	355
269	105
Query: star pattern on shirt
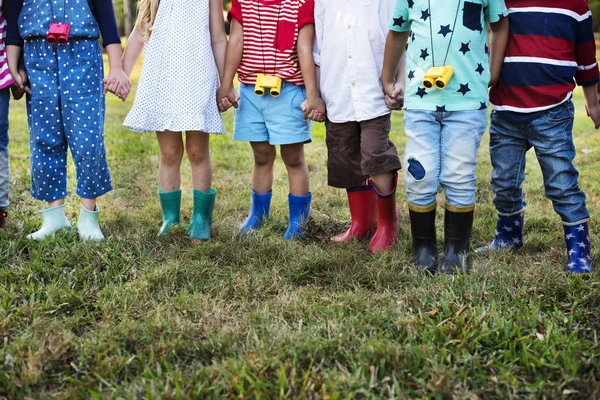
444	30
411	75
440	108
424	54
500	16
480	68
413	37
464	89
464	48
411	3
483	106
421	92
425	14
399	21
487	49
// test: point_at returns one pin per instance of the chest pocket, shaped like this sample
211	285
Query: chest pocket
285	38
472	13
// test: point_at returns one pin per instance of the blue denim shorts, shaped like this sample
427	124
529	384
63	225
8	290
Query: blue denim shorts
277	120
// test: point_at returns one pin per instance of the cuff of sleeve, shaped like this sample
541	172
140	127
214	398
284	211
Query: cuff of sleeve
305	21
14	42
498	17
109	42
234	14
589	83
317	58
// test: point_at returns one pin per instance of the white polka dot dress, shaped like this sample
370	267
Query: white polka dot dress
179	80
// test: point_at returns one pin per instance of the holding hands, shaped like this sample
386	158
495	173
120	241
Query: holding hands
117	82
394	96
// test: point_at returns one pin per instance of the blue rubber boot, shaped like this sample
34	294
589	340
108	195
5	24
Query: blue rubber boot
578	246
260	206
509	232
299	214
204	206
170	204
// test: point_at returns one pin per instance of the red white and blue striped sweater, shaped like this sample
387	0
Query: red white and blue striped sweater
551	48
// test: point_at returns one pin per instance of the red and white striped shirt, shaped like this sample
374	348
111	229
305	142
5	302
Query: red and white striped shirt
270	35
5	78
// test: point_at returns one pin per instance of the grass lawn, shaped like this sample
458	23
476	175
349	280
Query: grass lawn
139	317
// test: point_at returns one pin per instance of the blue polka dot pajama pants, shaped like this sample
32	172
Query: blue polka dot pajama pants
66	110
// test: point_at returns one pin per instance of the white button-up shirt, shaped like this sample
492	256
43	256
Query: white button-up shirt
349	47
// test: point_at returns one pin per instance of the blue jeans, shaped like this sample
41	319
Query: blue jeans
442	152
551	135
4	160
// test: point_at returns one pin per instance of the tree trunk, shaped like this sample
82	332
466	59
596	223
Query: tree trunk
128	26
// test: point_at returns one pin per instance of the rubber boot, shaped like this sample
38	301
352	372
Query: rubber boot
260	207
362	202
578	246
424	240
458	224
387	221
3	217
509	232
204	206
299	214
53	220
87	225
170	204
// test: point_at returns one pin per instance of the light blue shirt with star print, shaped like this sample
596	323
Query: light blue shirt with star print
454	31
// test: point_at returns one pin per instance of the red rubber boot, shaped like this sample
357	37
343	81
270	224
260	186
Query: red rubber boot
387	221
362	202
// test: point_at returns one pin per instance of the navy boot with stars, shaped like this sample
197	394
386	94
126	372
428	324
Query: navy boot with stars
509	232
578	247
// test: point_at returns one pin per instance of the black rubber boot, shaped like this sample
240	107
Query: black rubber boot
457	242
424	241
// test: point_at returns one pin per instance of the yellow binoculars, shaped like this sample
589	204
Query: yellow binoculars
438	77
267	82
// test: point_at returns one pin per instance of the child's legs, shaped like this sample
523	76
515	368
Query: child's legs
262	171
47	141
508	153
343	155
422	163
378	153
83	111
198	152
171	154
553	143
460	139
295	162
4	158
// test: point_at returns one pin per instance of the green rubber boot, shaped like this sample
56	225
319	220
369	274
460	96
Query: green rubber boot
204	205
87	225
53	220
170	204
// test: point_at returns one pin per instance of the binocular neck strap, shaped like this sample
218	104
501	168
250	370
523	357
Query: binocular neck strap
59	16
431	32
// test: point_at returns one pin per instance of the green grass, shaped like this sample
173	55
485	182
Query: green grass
139	317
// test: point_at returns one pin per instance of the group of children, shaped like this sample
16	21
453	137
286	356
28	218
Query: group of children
347	63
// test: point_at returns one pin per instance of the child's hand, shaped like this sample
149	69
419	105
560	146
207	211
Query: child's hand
227	97
118	83
396	100
314	115
21	85
594	114
389	89
314	105
17	92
